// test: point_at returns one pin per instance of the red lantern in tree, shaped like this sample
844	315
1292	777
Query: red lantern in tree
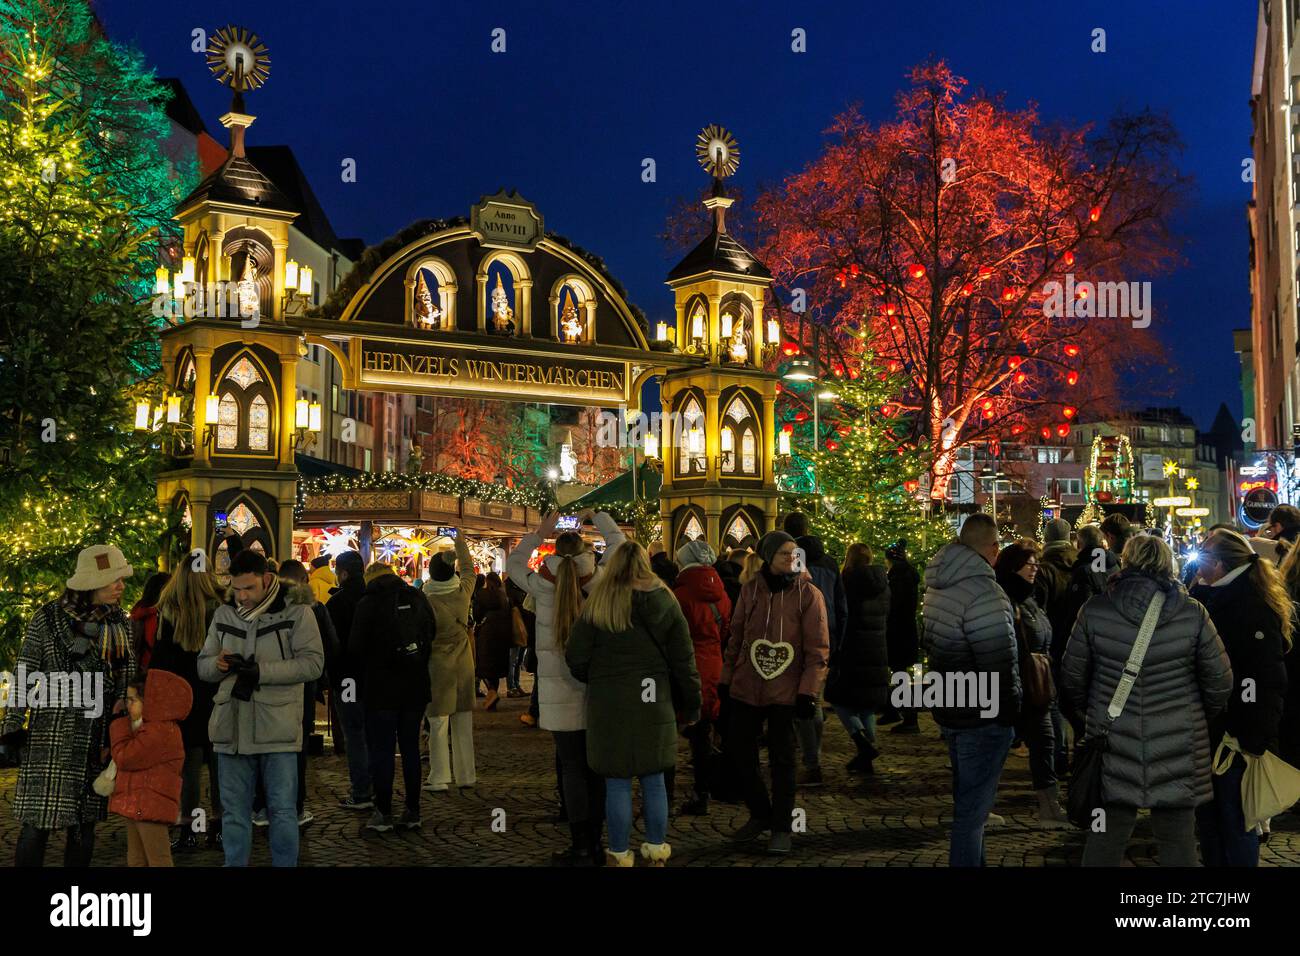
1081	292
1008	293
911	486
987	404
1072	350
1094	213
894	366
1069	411
801	417
916	270
832	445
967	288
845	430
1020	378
790	348
838	370
853	373
985	271
988	413
891	308
853	270
1072	378
841	278
779	388
1069	258
1017	429
1046	433
1062	430
1015	361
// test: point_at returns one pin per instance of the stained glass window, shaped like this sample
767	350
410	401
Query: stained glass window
228	422
244	373
692	420
738	530
728	449
242	518
748	453
737	410
259	425
693	529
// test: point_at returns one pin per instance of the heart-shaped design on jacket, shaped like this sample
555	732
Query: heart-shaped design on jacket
771	658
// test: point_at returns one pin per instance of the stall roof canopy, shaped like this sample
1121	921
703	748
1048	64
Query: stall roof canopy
619	489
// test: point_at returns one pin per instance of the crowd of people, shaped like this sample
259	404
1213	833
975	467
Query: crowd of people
1092	632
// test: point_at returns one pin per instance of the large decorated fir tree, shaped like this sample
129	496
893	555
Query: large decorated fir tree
859	478
84	192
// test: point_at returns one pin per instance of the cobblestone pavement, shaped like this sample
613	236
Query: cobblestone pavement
896	818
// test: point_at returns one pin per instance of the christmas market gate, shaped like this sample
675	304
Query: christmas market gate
489	307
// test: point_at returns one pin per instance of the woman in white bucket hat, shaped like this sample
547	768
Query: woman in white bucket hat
84	637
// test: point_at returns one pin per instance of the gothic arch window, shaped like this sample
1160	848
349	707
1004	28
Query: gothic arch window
690	438
243	520
201	259
736	330
573	307
432	302
185	371
740	455
246	408
740	527
252	266
693	528
688	524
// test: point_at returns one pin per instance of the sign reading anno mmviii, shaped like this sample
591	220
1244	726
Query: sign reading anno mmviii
515	376
506	221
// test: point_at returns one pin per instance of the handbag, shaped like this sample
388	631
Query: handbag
1084	796
106	782
1269	786
517	628
1035	673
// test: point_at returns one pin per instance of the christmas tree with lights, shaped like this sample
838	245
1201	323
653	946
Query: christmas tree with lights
84	192
864	465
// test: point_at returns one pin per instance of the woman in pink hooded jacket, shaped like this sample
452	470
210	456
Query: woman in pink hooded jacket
773	670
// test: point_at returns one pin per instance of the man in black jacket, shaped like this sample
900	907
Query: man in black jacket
900	630
392	635
345	678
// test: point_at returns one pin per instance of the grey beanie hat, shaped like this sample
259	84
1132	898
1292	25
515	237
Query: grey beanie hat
771	543
1058	529
696	552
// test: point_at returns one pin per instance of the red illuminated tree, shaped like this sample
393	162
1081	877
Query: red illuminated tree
940	232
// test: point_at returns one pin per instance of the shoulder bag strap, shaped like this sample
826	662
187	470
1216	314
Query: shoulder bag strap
1134	664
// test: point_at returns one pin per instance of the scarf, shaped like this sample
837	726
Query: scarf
584	564
251	613
776	582
103	626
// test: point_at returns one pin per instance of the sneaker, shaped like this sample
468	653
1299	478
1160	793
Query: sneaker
779	844
347	803
811	777
436	787
409	821
528	720
752	830
380	823
305	817
260	820
995	820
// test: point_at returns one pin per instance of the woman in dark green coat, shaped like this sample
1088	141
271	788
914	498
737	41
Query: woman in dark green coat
632	646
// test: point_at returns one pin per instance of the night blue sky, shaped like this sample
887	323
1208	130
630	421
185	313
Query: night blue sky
585	91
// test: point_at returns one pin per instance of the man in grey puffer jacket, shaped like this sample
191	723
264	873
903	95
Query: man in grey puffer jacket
970	640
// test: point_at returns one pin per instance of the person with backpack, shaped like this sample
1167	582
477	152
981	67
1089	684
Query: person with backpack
702	595
452	686
392	637
1156	737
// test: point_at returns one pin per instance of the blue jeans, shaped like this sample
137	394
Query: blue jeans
1221	823
618	810
352	723
855	720
977	758
237	775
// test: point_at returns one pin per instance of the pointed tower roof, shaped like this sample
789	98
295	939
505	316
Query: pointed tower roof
719	253
238	182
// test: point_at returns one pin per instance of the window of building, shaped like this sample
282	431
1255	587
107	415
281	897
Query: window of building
259	424
228	422
1049	456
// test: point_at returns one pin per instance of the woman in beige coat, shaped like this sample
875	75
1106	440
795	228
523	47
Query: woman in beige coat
451	670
